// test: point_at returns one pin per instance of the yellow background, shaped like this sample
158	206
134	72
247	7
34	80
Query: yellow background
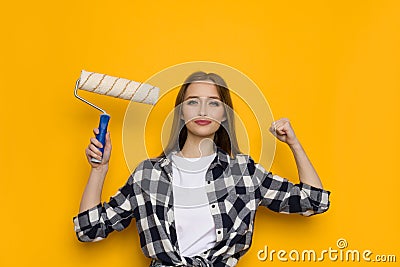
331	67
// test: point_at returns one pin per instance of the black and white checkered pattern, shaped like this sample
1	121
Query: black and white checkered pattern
235	188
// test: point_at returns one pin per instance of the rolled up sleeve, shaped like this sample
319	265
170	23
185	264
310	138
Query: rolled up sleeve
281	195
96	223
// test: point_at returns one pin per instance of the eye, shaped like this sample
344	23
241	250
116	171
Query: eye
214	103
192	102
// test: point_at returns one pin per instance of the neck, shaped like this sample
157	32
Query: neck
196	147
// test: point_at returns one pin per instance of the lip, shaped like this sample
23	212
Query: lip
202	122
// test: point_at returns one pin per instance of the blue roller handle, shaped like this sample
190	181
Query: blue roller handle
101	136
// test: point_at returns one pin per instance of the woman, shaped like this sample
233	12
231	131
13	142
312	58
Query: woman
194	205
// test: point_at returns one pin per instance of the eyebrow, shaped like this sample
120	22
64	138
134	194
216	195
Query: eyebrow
195	96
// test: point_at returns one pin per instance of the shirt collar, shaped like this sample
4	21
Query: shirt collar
221	160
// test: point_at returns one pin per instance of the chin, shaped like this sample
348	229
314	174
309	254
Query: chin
202	133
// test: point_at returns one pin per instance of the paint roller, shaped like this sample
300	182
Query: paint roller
117	87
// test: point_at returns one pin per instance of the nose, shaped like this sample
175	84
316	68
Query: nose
203	108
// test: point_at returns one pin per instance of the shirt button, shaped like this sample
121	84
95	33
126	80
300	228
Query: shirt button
219	232
208	182
213	206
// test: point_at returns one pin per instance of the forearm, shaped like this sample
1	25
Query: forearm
92	194
306	171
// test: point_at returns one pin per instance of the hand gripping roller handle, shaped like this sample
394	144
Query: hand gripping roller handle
103	124
117	87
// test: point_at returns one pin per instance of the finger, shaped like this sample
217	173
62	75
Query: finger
273	132
271	129
282	125
96	142
281	130
92	154
96	131
108	138
95	150
273	125
284	122
281	122
278	126
108	145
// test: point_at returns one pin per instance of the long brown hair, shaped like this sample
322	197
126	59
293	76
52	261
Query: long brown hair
225	136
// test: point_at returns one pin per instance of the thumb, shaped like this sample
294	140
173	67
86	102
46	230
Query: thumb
108	139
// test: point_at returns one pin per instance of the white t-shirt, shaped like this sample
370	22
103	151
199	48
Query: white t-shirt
194	222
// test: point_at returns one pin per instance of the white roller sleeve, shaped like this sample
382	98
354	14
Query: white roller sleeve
118	87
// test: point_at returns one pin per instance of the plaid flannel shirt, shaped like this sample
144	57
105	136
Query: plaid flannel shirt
235	188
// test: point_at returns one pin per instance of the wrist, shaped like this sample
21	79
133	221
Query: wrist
100	168
295	145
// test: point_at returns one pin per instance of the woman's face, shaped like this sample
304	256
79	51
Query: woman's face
202	109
